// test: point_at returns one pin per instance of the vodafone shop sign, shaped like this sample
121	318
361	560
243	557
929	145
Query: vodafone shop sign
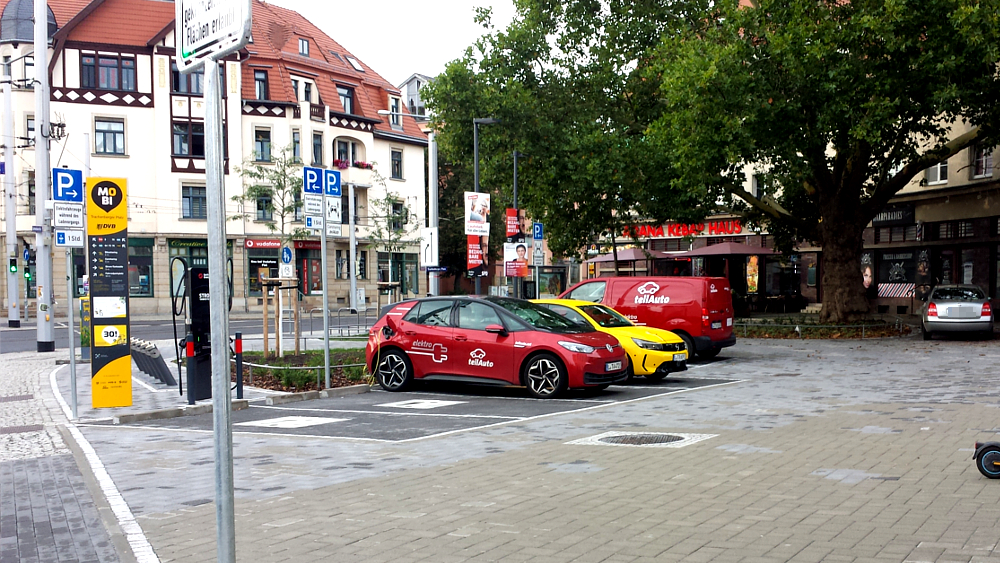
263	243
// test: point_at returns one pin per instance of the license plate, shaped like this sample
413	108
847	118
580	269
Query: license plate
612	366
716	324
680	357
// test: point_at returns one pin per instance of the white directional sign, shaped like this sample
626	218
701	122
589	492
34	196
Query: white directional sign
71	239
67	215
67	185
312	204
429	246
209	28
314	222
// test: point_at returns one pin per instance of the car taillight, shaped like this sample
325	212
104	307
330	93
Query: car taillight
932	309
987	310
704	317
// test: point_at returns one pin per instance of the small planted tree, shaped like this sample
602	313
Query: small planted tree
391	223
273	194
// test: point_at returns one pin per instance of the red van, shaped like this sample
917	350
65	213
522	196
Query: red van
699	310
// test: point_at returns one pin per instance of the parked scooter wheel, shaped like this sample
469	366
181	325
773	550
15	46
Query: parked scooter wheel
987	460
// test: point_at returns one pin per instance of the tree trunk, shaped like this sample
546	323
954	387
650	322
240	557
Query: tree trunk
844	297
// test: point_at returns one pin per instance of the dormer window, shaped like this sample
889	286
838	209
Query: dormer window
304	47
395	119
346	99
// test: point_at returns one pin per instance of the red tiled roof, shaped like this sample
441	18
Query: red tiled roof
124	22
275	49
63	10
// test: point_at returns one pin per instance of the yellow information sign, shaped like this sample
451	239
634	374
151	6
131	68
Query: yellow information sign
107	258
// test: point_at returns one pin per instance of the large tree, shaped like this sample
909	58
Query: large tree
841	103
568	81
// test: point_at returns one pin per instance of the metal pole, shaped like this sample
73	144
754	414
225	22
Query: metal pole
225	518
475	153
516	281
326	295
432	203
43	250
10	204
72	345
353	250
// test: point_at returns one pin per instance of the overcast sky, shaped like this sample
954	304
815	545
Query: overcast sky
396	40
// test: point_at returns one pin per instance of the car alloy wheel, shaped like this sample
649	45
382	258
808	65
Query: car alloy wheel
394	371
545	377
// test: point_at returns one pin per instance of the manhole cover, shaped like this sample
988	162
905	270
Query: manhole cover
641	439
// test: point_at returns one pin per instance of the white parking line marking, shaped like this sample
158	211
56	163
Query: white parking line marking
391	413
421	404
287	422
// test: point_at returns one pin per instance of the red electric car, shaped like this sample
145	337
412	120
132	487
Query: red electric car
490	340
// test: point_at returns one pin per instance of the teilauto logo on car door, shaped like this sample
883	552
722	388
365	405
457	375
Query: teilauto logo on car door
478	358
647	294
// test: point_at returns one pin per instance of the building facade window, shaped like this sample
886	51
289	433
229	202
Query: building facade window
193	202
307	92
109	136
396	171
189	139
265	212
261	263
31	192
398	216
395	118
344	201
318	149
296	146
140	267
938	173
304	47
362	265
88	71
295	88
982	161
260	84
905	233
966	229
113	73
346	99
262	145
190	83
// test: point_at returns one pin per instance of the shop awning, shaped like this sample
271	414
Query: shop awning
728	249
630	255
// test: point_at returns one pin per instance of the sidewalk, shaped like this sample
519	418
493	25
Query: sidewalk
47	513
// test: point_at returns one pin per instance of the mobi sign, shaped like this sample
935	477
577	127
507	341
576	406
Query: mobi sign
715	227
107	266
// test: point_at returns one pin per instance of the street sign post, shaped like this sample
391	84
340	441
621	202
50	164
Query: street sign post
69	215
205	32
325	183
69	238
537	231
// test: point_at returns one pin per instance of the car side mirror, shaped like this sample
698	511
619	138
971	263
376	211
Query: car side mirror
496	329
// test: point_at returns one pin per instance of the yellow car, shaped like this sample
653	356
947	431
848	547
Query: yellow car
652	352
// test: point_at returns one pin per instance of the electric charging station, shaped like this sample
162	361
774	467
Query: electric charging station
199	337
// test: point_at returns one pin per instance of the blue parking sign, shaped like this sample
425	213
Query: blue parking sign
312	180
536	231
67	185
331	182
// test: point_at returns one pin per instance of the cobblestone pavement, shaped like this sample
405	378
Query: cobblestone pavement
46	511
826	451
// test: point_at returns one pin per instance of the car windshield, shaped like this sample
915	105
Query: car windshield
959	294
605	317
540	317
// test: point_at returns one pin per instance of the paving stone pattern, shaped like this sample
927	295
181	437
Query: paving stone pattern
46	511
827	451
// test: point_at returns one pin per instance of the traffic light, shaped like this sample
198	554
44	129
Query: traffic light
12	268
27	274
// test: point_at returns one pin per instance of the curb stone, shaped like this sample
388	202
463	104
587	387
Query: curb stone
238	404
310	395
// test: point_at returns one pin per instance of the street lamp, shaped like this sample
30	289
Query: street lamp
475	151
432	197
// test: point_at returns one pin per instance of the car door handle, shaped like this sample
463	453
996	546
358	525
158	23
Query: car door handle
461	338
410	332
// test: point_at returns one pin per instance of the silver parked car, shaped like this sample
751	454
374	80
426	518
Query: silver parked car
957	308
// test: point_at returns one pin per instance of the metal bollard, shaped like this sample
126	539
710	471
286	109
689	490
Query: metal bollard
238	348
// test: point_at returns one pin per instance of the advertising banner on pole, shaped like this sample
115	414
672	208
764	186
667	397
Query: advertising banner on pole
515	259
107	261
477	214
475	258
513	223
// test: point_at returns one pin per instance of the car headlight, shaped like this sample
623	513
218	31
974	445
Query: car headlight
649	345
576	347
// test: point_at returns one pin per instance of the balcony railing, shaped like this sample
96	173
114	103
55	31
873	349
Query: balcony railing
317	112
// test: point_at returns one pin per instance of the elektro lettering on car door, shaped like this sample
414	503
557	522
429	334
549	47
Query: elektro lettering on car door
479	353
428	336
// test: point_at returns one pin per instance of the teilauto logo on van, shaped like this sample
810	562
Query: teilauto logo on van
647	294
